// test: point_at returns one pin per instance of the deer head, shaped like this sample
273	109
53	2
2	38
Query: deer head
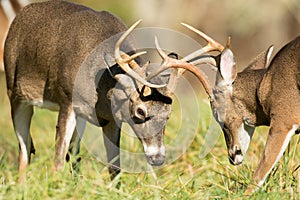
146	110
146	106
231	102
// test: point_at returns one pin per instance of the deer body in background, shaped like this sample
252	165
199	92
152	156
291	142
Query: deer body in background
58	56
262	94
8	10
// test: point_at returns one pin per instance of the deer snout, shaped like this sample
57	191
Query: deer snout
156	160
155	155
235	156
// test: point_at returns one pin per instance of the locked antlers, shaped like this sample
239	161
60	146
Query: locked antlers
195	59
174	63
182	65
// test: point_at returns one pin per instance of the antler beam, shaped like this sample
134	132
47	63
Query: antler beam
123	61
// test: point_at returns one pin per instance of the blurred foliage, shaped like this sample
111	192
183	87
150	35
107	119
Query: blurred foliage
121	8
189	177
254	25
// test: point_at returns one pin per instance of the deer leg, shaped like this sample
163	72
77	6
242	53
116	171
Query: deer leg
277	142
64	131
22	115
111	136
74	147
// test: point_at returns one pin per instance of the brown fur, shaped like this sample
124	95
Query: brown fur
261	96
55	58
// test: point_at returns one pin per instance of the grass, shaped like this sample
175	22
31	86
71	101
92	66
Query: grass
188	177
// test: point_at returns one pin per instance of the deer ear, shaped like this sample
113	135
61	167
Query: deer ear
227	66
262	60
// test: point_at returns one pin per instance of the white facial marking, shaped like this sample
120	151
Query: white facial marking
162	150
283	147
238	159
245	134
152	150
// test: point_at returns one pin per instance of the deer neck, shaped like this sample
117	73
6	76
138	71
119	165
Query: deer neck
245	98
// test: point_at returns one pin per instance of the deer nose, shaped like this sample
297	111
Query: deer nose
156	160
155	154
235	156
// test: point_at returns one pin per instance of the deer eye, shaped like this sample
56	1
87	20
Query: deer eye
140	114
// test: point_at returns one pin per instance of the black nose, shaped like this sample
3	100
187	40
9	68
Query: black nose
238	152
236	158
156	160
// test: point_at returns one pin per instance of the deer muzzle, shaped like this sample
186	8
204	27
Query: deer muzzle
155	154
235	156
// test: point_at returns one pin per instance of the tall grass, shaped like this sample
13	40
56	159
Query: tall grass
188	177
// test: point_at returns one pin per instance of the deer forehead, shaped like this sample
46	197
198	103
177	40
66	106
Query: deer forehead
222	101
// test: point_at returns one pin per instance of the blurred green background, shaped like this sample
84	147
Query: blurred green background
253	26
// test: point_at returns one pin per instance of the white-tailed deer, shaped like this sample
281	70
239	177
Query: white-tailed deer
58	56
8	10
264	93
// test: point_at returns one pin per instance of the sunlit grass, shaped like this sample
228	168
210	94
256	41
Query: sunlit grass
188	177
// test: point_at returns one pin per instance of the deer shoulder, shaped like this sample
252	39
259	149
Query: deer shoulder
280	83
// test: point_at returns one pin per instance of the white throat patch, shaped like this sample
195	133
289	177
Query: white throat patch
245	135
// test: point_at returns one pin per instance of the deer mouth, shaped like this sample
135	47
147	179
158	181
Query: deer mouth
155	155
235	157
156	160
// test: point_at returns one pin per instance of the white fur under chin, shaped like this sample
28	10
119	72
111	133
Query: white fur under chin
245	134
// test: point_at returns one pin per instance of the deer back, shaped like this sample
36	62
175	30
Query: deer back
47	50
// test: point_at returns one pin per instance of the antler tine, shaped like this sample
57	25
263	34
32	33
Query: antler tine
145	66
162	54
123	37
208	60
212	45
165	65
228	43
124	63
134	56
174	63
183	64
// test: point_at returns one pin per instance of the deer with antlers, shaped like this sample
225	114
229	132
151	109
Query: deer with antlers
67	58
266	92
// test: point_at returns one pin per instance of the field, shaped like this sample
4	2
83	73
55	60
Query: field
188	177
